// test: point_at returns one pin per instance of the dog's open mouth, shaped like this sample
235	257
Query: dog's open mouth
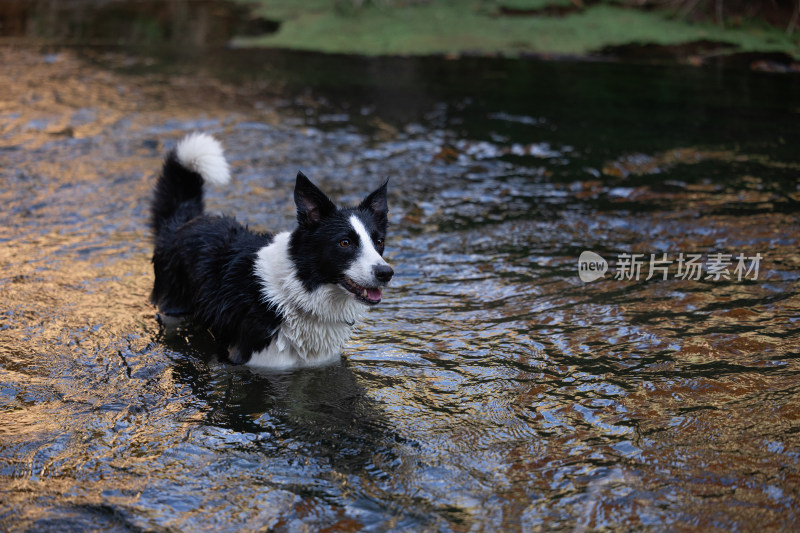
368	295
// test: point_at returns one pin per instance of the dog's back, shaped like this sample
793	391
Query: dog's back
203	264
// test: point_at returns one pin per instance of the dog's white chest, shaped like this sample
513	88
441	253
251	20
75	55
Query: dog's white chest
316	324
313	343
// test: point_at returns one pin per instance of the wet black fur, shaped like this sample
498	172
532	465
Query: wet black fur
204	265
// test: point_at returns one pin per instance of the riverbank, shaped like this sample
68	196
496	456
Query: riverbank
544	28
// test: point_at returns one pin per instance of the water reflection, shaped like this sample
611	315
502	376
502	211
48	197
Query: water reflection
492	389
177	23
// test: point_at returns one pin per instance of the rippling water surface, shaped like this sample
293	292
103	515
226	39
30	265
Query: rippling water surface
492	389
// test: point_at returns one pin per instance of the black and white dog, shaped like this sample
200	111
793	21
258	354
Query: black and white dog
282	300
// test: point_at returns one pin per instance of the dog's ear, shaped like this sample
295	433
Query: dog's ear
312	204
376	202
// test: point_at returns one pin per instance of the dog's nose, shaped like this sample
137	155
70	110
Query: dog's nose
383	273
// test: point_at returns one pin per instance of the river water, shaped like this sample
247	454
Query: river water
492	389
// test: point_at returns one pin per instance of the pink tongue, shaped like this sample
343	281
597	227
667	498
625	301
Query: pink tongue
374	294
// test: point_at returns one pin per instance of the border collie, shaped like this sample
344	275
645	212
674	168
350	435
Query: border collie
290	299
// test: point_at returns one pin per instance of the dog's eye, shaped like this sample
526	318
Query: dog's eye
344	243
379	243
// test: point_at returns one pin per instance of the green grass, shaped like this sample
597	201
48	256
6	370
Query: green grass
457	27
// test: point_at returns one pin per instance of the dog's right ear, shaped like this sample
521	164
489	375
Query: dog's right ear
312	204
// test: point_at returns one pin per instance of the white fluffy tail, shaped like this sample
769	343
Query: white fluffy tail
203	154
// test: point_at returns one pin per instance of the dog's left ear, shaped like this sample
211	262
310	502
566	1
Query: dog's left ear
376	202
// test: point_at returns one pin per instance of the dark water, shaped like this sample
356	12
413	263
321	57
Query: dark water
492	390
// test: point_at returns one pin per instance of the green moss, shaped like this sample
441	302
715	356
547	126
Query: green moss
530	4
455	27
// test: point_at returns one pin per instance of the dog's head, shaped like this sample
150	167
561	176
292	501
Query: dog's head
344	246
